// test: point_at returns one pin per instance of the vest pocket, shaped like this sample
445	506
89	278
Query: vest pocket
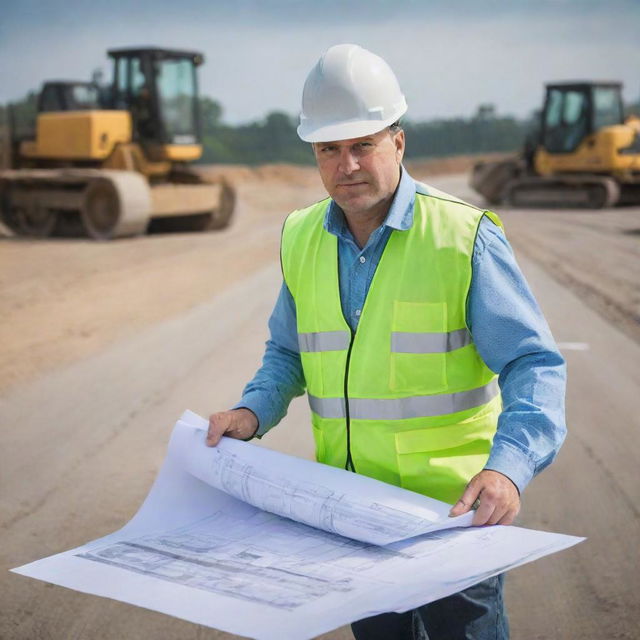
419	344
439	461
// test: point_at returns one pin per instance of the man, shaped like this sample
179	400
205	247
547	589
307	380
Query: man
399	306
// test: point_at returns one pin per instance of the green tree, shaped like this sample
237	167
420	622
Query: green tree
21	116
210	115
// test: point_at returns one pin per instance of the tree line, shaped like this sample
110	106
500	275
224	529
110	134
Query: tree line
274	138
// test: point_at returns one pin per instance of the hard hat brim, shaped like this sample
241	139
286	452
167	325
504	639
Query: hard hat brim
344	130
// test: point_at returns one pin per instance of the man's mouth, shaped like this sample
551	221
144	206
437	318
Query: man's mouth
351	184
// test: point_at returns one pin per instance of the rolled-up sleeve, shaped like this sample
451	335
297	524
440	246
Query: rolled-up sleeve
513	338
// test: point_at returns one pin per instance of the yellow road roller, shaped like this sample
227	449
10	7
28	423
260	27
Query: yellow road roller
115	160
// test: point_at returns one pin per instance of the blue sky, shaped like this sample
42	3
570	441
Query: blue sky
449	56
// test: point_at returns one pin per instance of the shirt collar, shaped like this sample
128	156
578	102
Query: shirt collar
400	216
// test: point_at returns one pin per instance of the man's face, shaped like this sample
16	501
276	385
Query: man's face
361	174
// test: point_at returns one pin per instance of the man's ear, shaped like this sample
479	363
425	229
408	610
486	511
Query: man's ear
399	141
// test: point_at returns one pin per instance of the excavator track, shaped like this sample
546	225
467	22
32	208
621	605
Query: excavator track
506	182
584	191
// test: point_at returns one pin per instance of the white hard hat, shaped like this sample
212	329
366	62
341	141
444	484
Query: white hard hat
350	93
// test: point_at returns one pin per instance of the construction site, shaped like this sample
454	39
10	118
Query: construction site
136	284
106	344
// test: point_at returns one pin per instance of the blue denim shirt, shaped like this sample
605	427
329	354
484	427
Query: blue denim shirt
505	321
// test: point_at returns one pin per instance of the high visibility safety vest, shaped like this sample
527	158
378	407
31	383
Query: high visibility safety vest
406	398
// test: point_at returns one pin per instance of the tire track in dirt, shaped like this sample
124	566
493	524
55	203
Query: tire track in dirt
623	315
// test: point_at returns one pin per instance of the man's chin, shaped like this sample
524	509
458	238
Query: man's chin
355	204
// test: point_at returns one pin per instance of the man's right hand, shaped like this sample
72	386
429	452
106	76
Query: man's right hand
237	423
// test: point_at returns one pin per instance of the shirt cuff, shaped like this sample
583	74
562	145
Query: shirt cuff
253	403
511	462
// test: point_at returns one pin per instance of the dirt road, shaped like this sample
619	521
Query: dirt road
104	345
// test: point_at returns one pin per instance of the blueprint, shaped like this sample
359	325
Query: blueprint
315	494
265	545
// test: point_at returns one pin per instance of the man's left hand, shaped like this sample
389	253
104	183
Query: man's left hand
498	496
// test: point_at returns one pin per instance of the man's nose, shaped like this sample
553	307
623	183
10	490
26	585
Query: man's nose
348	161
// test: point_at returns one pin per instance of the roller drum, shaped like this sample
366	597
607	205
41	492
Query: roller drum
116	204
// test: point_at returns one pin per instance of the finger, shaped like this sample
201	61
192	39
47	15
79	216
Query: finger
217	426
498	514
509	516
466	501
213	437
483	512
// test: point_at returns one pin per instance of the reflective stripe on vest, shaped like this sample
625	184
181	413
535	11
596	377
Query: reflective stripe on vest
403	342
404	408
323	341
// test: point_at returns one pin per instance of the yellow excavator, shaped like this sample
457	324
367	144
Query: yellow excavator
583	154
116	158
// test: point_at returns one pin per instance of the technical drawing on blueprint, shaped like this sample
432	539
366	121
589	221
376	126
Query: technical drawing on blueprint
316	494
262	558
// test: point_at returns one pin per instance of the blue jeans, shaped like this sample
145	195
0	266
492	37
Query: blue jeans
477	613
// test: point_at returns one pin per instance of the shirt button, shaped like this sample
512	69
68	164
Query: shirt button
358	312
362	259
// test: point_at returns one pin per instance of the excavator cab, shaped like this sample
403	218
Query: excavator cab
159	88
574	111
